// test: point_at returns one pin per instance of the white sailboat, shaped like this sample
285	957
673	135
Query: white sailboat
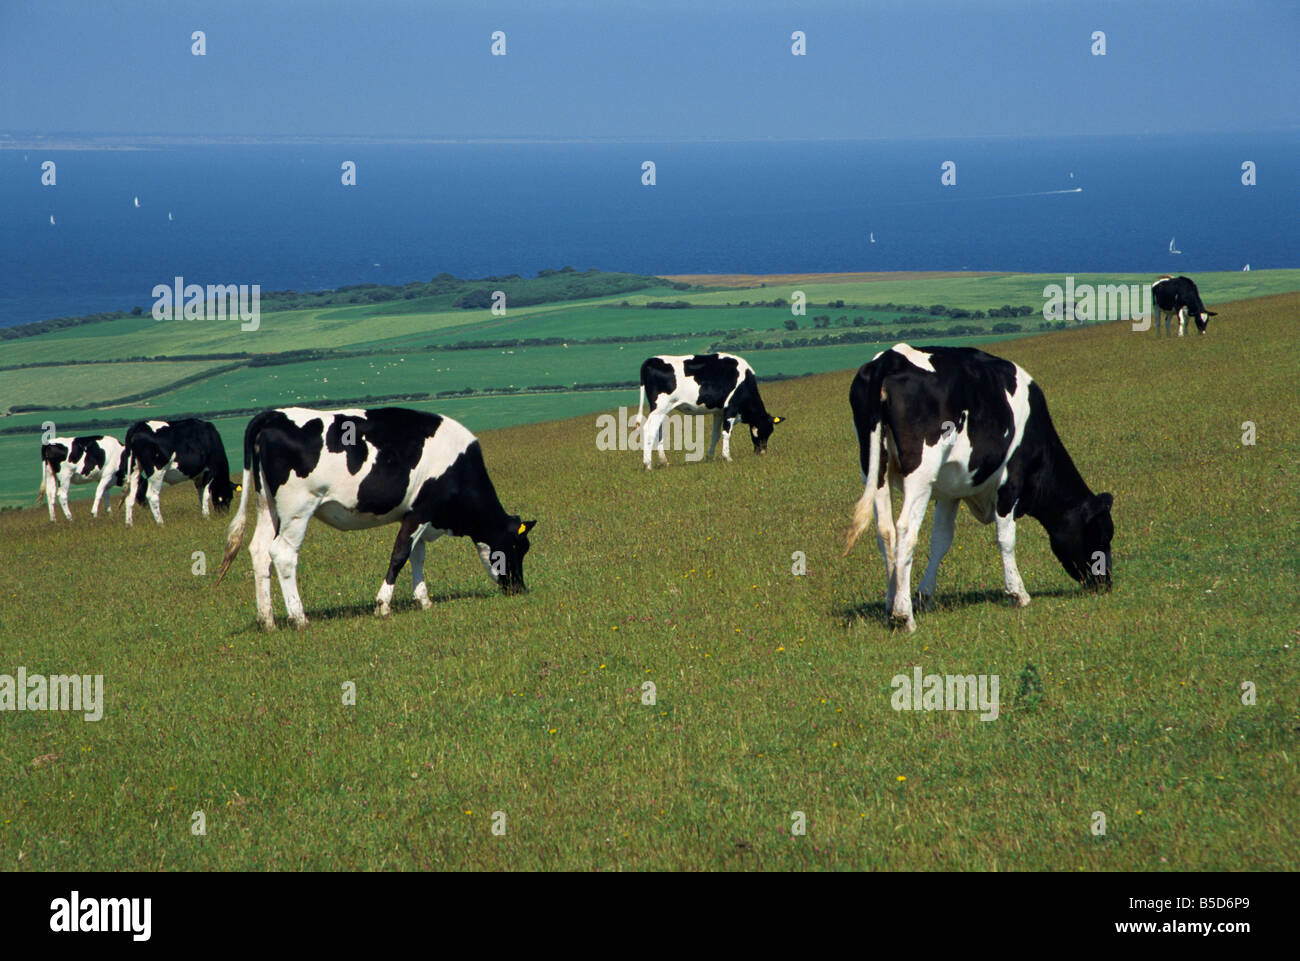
1247	267
1171	247
52	224
873	236
169	215
137	201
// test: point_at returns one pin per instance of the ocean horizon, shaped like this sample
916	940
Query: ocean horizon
279	216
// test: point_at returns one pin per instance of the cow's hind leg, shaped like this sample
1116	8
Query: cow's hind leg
945	520
51	492
260	551
916	497
65	482
154	494
1012	584
284	555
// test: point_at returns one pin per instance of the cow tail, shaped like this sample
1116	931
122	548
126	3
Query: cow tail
251	482
235	533
868	415
640	409
45	472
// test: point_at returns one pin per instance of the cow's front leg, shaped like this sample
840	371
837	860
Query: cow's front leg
1012	584
102	495
945	520
728	424
916	496
401	551
417	566
205	498
717	432
1182	320
887	540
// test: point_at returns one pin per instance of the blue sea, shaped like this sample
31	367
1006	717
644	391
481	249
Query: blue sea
279	216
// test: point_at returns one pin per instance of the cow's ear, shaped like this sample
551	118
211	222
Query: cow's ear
777	420
1211	313
526	526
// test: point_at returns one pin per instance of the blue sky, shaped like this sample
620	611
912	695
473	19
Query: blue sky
669	69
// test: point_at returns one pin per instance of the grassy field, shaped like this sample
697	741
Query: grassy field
773	690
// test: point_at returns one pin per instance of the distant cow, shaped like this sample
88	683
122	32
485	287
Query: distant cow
1178	295
168	452
80	460
719	384
962	425
355	469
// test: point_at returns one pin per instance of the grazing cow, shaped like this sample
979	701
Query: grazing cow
719	384
961	425
168	452
1178	295
356	469
80	460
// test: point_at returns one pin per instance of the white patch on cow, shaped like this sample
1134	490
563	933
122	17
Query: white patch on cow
917	358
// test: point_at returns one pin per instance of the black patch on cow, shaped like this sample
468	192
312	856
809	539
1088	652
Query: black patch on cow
275	447
657	378
398	435
54	455
88	451
337	434
716	375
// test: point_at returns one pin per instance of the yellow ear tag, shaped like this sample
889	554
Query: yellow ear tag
776	420
238	488
522	528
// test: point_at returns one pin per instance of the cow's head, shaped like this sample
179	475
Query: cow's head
1081	542
1203	320
223	492
506	552
760	432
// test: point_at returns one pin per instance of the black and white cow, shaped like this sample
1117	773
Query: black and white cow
80	460
168	452
1178	295
719	384
355	469
958	424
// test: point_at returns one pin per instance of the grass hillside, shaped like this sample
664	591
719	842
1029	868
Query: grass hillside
772	690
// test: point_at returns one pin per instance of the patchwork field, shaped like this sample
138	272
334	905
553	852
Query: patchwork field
772	691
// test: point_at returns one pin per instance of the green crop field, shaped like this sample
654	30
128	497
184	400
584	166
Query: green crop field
772	691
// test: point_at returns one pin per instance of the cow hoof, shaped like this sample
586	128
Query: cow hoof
300	624
382	610
1019	600
925	602
267	626
904	622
